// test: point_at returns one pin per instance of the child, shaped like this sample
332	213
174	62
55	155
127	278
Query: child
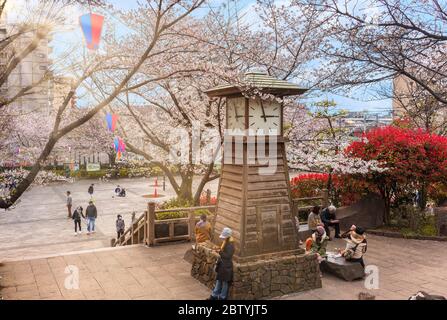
120	226
77	214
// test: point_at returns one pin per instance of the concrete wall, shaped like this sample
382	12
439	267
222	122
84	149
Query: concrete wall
367	213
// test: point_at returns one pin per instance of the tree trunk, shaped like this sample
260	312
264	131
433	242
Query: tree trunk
386	196
423	196
28	180
185	191
387	213
112	157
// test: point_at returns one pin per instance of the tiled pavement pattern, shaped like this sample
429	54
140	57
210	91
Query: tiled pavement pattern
137	272
39	225
405	266
133	272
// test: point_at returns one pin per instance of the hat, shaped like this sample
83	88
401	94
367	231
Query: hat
356	236
320	230
226	233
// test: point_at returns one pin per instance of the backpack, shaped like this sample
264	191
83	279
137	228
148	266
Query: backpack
350	252
308	243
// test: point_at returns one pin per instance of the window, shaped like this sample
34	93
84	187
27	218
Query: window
43	67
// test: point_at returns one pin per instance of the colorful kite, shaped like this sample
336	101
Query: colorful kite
91	25
111	121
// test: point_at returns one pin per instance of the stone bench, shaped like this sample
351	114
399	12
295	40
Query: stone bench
343	269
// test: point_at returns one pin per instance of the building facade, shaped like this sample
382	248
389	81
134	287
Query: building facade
33	71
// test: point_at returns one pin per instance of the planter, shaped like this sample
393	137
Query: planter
162	230
393	234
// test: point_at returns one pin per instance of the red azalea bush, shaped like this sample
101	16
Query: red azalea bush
346	190
414	158
203	200
308	184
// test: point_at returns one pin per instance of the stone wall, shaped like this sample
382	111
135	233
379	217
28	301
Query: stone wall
441	220
260	278
367	213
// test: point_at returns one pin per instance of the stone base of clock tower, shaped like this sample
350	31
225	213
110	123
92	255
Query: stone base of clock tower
260	276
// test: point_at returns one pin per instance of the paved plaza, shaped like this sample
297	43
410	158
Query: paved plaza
37	243
39	224
138	272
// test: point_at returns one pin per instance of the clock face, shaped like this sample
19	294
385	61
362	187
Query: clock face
236	113
265	117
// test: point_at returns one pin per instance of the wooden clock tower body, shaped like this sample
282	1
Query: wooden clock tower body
257	207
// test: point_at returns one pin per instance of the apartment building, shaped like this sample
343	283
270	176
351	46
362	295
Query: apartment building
32	71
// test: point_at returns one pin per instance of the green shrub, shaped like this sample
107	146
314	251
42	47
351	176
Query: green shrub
178	203
180	214
428	230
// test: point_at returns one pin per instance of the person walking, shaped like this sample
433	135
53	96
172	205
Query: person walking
77	215
91	190
120	226
69	203
92	213
224	266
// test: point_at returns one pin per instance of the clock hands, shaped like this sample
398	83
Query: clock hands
263	112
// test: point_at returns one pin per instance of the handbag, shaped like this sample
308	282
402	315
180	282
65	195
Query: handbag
218	263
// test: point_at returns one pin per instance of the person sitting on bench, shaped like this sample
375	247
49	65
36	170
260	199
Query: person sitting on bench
329	220
319	243
356	245
313	220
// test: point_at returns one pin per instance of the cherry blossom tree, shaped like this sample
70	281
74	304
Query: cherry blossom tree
372	41
163	15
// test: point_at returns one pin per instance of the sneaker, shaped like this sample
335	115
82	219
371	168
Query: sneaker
76	233
88	232
80	232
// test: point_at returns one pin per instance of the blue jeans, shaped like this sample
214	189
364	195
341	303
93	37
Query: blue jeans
220	290
91	224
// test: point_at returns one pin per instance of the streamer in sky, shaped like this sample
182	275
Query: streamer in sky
91	25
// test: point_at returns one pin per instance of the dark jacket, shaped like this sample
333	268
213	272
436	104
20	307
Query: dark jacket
326	216
91	211
90	189
77	214
120	225
224	266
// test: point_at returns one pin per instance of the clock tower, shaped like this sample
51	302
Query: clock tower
254	196
254	193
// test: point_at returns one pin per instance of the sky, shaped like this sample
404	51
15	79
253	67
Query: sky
62	41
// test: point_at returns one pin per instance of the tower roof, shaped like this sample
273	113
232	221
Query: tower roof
257	81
